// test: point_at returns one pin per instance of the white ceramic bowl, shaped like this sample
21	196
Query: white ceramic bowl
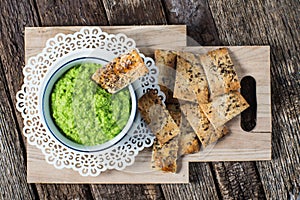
45	93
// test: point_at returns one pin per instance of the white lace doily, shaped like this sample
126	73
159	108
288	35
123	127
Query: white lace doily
88	41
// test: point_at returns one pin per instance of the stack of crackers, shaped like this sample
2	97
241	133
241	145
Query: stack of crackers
201	96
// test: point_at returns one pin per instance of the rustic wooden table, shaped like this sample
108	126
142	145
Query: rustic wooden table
209	22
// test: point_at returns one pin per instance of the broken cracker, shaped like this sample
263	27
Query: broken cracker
225	107
157	117
220	71
205	131
164	157
120	72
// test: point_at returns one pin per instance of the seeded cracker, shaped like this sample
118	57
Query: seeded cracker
164	157
190	83
205	131
225	107
176	115
165	60
220	72
122	71
157	117
188	140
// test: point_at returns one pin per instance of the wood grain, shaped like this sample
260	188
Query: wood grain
12	159
140	172
145	192
134	12
71	12
196	15
14	15
63	191
199	187
12	43
238	180
275	23
36	37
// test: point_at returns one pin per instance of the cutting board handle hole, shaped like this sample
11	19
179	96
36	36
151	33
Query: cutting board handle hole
248	91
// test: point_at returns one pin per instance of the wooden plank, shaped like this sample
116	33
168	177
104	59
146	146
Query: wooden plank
38	36
63	191
125	12
127	191
13	16
71	12
38	172
238	180
12	42
274	23
200	186
12	161
196	15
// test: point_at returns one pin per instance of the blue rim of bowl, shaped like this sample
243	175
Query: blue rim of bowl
131	117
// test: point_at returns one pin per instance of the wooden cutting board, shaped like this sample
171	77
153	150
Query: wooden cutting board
238	146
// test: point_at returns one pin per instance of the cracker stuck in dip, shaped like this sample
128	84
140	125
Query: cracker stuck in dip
84	112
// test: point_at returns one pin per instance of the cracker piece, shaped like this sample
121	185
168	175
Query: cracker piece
220	71
157	117
190	78
165	157
120	72
225	107
169	95
176	117
188	140
188	143
165	60
205	131
173	107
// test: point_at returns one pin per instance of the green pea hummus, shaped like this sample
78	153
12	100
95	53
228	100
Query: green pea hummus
85	112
